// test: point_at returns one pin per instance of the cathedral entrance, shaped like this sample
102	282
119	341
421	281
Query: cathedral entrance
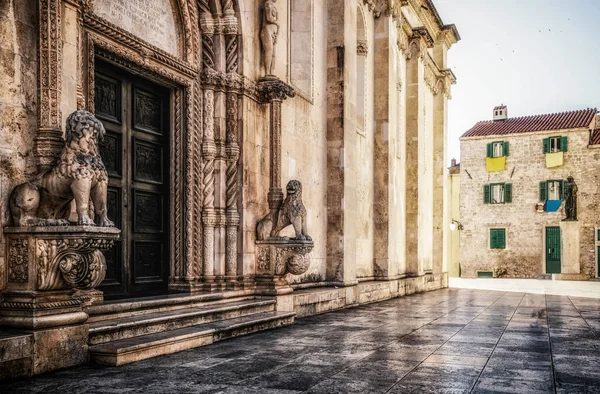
135	113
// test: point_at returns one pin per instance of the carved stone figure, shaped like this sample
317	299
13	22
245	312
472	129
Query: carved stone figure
570	200
268	34
292	212
78	174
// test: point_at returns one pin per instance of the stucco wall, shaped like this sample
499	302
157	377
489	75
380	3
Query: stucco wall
526	167
18	100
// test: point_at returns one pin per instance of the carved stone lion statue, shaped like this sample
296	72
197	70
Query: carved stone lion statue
292	212
78	174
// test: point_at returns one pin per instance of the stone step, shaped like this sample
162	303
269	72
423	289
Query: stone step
133	326
144	305
140	348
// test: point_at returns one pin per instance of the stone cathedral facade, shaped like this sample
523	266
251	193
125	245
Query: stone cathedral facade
209	108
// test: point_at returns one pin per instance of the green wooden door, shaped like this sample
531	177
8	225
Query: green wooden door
553	250
598	254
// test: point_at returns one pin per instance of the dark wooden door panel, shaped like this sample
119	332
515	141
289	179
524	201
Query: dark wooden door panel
135	152
553	250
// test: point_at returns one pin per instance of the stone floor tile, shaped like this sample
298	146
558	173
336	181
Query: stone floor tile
456	360
431	388
494	385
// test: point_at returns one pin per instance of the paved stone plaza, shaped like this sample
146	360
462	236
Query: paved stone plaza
446	341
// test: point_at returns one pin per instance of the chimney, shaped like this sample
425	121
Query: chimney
453	163
500	113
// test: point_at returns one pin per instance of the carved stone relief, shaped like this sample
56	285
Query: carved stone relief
18	261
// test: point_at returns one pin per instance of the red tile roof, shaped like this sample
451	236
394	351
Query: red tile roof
528	124
595	140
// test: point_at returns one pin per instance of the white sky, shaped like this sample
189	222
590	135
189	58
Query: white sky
535	56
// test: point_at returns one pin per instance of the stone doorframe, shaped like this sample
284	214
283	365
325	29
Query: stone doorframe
193	78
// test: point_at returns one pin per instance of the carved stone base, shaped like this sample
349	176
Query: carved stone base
52	272
276	258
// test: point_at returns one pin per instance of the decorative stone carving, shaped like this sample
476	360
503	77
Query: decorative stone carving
570	200
79	174
268	34
277	258
76	263
57	259
362	48
273	89
18	261
292	212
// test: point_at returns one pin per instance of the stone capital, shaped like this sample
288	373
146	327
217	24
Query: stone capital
272	89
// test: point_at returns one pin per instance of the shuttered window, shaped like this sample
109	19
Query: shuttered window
552	190
497	193
555	144
497	238
497	149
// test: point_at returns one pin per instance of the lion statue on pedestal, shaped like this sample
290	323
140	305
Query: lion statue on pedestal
78	174
292	211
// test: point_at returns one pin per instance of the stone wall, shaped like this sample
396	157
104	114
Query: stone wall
525	168
18	101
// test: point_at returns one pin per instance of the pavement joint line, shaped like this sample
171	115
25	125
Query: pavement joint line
448	340
584	319
497	342
550	344
385	345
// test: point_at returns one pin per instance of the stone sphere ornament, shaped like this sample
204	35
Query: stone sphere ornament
297	264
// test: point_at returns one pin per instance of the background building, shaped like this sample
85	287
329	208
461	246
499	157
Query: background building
454	221
512	191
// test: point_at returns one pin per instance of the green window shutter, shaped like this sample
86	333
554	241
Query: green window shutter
563	144
493	238
543	191
508	192
505	148
546	145
497	238
563	185
486	194
501	238
490	150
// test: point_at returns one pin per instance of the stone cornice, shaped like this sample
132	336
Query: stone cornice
427	13
423	33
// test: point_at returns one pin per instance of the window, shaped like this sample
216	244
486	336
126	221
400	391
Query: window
500	112
555	144
496	113
497	149
497	193
497	238
552	190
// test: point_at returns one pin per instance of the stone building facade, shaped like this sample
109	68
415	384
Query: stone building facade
200	138
520	231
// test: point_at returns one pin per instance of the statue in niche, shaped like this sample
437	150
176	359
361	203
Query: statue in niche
268	34
292	212
79	174
570	200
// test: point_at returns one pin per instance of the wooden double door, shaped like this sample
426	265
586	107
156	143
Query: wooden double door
135	151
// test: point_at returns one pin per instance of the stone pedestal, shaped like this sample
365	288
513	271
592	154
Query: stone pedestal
51	272
275	258
570	252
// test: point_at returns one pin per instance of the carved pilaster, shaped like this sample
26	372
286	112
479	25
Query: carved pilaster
209	153
49	142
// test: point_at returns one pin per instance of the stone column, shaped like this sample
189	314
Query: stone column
49	141
209	154
440	132
341	118
383	95
232	149
413	74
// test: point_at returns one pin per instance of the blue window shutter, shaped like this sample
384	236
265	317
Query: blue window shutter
505	148
546	145
563	144
486	194
543	191
508	192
